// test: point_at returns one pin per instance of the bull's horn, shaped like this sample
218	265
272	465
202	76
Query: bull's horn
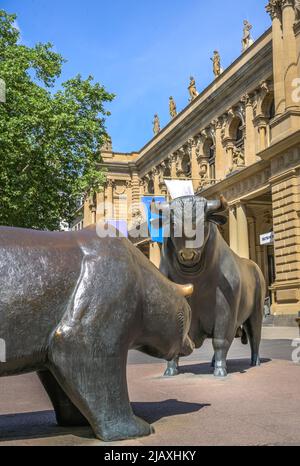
217	206
184	290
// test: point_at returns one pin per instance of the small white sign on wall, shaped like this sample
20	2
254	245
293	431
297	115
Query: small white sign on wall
267	239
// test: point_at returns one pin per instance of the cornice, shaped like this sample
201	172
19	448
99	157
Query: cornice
279	147
234	179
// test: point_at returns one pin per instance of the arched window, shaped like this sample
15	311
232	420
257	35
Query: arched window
167	172
151	187
186	165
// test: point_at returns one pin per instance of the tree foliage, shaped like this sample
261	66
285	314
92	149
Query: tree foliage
49	141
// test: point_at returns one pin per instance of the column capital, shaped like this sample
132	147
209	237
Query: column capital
110	183
286	3
274	8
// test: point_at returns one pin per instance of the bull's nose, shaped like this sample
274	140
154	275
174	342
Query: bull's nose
187	255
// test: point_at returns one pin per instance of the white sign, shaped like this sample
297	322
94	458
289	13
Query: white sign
180	188
267	238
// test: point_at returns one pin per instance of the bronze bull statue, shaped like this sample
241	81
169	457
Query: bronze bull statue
229	291
71	306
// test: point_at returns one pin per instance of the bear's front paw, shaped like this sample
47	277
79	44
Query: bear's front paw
123	430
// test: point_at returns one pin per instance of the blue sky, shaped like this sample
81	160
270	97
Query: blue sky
141	50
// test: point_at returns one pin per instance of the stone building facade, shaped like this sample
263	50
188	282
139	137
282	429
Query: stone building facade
239	137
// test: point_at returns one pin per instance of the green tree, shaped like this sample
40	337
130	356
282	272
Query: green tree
49	141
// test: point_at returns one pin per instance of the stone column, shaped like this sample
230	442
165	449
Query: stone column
252	238
129	201
194	163
274	9
250	156
243	233
262	130
135	191
229	155
100	207
297	35
233	233
173	166
220	156
86	213
109	200
290	52
156	173
286	219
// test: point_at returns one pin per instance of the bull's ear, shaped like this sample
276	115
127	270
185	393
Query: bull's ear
218	219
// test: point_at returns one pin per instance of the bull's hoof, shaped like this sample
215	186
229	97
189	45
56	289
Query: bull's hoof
133	428
220	372
171	372
255	362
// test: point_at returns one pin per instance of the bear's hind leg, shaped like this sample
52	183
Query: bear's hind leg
67	415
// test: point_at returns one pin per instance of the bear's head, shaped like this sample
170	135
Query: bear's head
166	321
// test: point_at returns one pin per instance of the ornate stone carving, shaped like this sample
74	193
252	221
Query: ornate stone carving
156	125
297	11
247	40
183	163
120	187
192	89
110	183
216	64
172	108
238	159
274	8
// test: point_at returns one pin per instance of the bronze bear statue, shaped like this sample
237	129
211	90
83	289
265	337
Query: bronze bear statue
71	306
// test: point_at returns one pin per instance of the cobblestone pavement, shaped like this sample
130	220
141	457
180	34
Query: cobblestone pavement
253	406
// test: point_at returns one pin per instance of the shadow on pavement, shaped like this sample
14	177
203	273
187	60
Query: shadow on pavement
154	411
36	425
233	366
42	424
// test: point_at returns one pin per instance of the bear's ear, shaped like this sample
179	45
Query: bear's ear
218	219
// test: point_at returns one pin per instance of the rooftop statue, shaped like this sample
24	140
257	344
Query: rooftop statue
192	89
216	64
156	125
247	40
71	307
172	108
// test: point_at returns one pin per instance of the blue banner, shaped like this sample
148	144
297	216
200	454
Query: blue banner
156	234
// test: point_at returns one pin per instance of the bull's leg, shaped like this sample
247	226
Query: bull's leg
172	368
67	415
253	328
213	361
221	347
96	383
